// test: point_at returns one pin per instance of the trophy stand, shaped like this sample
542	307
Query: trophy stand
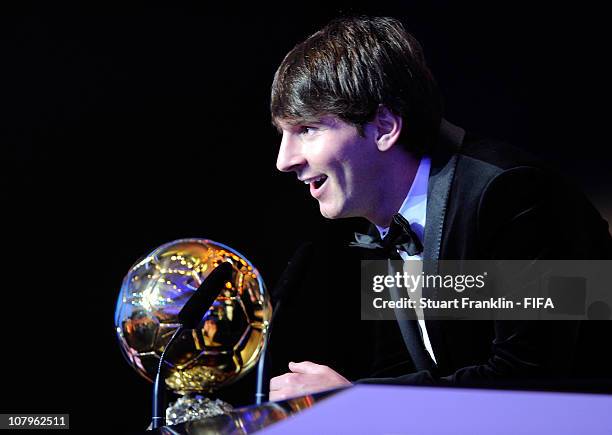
193	406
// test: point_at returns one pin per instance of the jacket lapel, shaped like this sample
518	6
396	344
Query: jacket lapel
441	176
440	180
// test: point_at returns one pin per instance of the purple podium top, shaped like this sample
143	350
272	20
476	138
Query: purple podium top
396	410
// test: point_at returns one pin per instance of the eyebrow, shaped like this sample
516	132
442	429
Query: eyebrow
296	122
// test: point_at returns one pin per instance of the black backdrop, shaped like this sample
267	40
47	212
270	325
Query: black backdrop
124	127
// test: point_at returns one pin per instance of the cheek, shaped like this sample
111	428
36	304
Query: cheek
356	167
319	155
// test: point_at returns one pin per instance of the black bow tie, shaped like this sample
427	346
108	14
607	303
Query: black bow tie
400	237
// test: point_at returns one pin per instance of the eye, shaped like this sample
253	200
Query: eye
306	130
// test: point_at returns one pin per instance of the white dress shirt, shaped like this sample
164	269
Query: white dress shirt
414	209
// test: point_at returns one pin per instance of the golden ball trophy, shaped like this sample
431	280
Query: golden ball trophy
224	343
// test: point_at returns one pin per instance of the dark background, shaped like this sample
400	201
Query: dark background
124	127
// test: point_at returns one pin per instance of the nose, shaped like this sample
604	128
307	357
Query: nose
290	157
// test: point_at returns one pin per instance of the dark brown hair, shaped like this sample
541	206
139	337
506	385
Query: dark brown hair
352	66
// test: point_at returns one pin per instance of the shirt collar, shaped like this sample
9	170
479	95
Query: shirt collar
414	207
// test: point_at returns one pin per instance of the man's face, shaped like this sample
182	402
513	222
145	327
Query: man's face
338	165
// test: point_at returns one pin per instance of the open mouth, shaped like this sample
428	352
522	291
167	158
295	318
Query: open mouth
319	182
316	183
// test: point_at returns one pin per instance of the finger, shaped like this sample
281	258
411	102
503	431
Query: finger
286	393
275	396
306	367
285	381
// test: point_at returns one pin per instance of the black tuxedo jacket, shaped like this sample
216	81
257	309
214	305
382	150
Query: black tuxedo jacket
485	201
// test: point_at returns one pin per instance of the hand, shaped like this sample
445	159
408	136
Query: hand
305	377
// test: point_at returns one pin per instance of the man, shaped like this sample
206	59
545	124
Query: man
361	124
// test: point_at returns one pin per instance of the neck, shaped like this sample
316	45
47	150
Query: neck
396	183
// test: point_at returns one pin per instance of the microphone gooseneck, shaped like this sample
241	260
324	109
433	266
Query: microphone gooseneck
290	277
159	402
189	317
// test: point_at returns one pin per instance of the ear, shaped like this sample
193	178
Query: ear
388	128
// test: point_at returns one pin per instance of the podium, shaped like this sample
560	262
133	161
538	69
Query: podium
384	409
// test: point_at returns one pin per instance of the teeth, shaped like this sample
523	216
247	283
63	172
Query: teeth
314	180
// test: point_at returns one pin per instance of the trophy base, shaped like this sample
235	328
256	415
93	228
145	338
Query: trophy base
193	406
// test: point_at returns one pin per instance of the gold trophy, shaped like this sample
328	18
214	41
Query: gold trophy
227	342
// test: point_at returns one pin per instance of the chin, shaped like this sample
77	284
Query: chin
331	213
326	212
327	215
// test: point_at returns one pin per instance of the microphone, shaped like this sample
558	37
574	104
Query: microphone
290	277
293	272
189	317
198	304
